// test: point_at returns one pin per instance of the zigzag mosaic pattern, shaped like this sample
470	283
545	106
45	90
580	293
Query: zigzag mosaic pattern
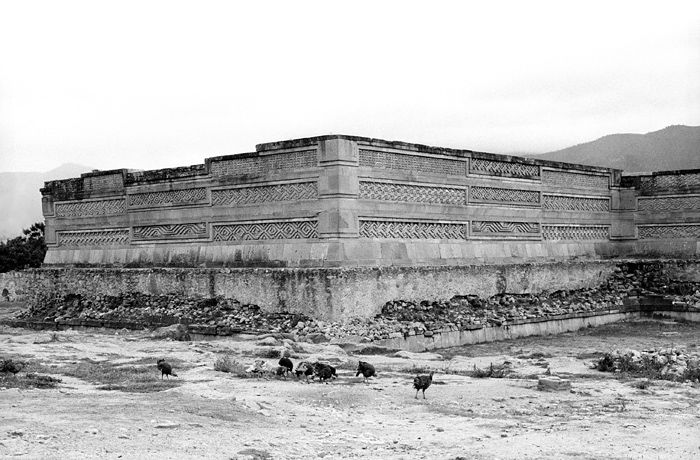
186	196
566	179
575	232
505	228
292	230
670	181
91	208
481	166
504	195
411	193
93	238
668	231
169	231
572	203
413	163
263	164
669	203
412	230
265	194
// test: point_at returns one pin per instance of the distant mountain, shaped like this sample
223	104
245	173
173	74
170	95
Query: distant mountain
674	147
20	199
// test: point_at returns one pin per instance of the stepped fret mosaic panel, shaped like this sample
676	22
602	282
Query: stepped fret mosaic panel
265	194
670	181
504	195
169	231
186	196
264	164
411	193
292	230
575	232
669	203
91	208
505	228
575	203
481	166
412	230
412	163
668	231
567	179
94	238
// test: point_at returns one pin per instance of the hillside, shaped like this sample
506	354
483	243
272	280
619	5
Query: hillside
674	147
20	205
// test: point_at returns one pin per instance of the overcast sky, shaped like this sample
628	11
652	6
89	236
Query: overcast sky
150	85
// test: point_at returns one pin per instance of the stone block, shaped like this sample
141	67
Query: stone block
553	383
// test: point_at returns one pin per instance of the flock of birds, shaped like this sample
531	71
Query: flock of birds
323	371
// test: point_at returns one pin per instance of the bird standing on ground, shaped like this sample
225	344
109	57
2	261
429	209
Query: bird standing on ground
165	369
286	363
324	371
422	382
366	369
9	365
304	368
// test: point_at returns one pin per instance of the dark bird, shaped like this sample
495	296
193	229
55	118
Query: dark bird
422	382
286	363
366	369
324	371
11	366
165	369
281	371
304	368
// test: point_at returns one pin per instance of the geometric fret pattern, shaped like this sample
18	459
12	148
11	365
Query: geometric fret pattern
289	230
480	166
94	238
113	182
91	208
679	180
504	195
266	193
575	232
505	228
669	203
567	179
668	231
169	231
412	230
411	193
190	195
264	164
412	163
571	203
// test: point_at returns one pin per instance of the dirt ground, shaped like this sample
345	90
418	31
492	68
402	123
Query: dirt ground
218	415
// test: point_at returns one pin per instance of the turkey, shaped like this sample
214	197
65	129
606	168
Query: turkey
324	371
286	363
259	367
304	368
366	369
165	369
9	365
422	382
281	371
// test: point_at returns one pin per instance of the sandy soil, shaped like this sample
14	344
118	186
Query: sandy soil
219	416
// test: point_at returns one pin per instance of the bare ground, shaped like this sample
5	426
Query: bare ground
210	414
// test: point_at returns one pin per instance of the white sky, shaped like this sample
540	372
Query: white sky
152	85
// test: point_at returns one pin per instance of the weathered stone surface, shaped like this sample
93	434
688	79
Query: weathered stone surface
553	384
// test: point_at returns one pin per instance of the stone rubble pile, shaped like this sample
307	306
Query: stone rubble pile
661	363
398	318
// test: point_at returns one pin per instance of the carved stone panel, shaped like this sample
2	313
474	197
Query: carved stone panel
185	196
416	230
263	164
676	203
569	179
411	193
575	203
91	208
411	163
171	231
494	228
576	232
668	231
276	230
498	168
265	194
504	195
105	237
